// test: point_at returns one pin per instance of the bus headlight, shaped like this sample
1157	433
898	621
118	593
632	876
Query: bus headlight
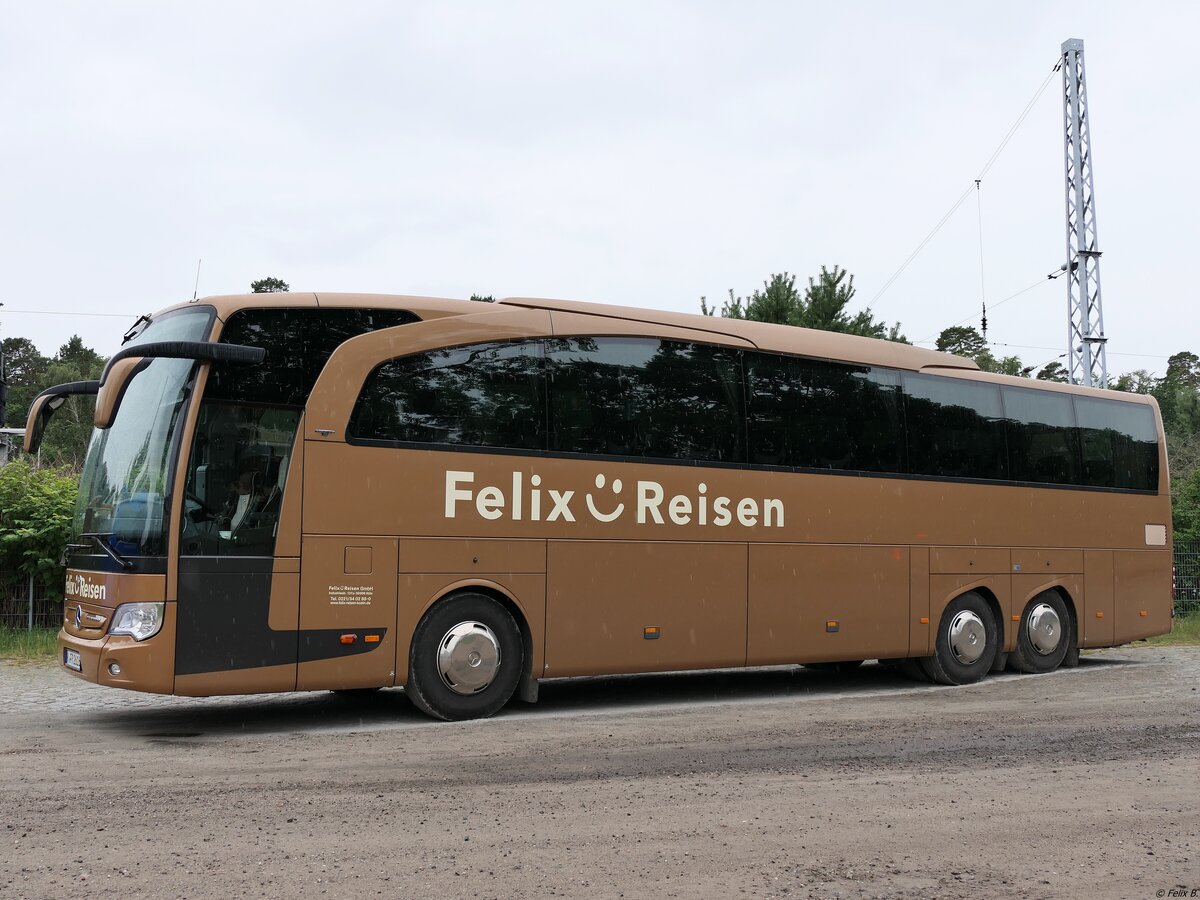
139	620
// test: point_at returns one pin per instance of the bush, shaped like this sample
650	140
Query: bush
36	509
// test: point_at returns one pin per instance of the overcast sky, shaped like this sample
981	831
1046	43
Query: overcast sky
633	153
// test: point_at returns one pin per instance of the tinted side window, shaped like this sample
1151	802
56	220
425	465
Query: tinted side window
1043	444
645	397
955	427
486	395
820	415
298	343
1120	443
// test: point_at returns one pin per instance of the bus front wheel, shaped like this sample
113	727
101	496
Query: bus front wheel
466	658
1044	636
967	641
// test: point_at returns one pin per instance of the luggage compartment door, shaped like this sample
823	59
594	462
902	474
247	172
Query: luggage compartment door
347	612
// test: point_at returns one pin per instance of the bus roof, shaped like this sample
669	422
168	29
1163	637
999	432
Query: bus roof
766	336
783	339
778	338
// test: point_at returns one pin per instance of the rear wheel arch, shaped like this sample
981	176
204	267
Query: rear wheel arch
966	642
466	655
493	591
1070	602
1071	660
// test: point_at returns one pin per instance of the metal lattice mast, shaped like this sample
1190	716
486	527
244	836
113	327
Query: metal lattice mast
1087	360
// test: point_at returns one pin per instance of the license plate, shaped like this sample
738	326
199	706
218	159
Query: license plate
72	661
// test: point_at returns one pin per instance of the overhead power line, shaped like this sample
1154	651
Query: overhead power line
998	303
1034	347
61	312
987	167
1061	353
962	198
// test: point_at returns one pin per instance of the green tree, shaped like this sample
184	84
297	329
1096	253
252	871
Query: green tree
961	340
1136	382
481	298
1185	505
1178	394
25	370
1184	368
70	429
778	302
823	305
826	299
1002	365
36	508
66	438
79	357
1053	371
269	285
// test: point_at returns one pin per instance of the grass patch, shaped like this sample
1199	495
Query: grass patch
39	644
1186	631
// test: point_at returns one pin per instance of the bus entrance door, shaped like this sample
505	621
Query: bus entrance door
347	613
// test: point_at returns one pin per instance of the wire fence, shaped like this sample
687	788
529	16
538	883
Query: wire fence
1187	577
29	603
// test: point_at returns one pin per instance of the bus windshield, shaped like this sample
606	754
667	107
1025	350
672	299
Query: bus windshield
127	472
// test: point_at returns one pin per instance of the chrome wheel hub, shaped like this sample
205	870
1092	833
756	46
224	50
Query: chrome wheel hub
468	657
967	637
1044	628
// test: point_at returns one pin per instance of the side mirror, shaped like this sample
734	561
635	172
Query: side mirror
46	404
112	388
125	364
117	375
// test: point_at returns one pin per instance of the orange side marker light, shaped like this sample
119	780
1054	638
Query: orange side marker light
372	639
1100	615
832	626
651	632
1016	618
1143	613
924	620
348	638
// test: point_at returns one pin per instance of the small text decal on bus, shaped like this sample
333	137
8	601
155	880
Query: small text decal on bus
648	503
80	588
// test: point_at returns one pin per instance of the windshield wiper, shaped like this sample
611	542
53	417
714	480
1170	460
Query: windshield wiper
103	545
133	329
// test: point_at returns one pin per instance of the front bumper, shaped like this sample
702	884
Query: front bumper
147	665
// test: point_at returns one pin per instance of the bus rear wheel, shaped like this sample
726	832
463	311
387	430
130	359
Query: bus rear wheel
1043	637
967	641
466	658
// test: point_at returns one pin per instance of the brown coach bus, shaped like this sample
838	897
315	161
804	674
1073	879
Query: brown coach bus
336	492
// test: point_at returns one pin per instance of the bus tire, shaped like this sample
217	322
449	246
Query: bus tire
967	641
1044	635
466	658
843	667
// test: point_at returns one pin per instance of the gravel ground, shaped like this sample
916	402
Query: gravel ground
769	783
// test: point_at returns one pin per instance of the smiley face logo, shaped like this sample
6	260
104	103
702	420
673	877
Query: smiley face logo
591	505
